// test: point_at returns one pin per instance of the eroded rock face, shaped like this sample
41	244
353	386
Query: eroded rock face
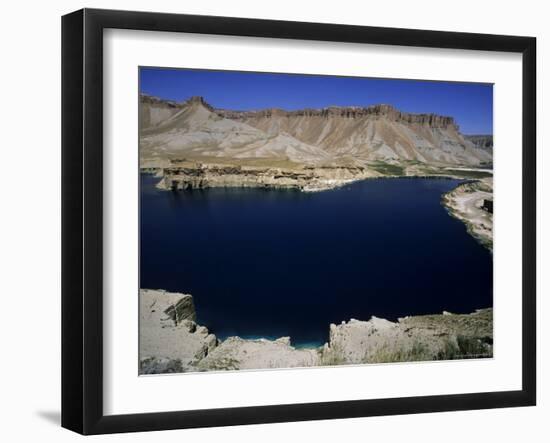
167	346
382	110
420	338
171	341
169	336
196	175
183	309
333	135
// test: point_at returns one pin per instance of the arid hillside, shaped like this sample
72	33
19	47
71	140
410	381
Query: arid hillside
194	130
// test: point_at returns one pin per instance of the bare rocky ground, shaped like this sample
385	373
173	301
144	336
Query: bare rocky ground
171	341
198	175
466	202
169	338
420	338
178	174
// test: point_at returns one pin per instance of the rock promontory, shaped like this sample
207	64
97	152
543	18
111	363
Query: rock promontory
472	203
171	341
183	174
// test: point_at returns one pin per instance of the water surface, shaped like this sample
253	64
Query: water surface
271	263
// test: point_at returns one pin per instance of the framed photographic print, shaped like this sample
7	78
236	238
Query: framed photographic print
270	221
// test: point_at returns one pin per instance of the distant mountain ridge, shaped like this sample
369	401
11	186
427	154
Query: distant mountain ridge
356	135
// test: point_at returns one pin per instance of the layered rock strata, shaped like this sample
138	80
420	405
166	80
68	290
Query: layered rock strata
375	111
195	175
334	135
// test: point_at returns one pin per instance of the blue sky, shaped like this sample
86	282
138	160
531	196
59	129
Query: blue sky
471	104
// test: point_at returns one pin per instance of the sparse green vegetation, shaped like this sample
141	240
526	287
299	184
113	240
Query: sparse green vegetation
331	358
450	350
463	347
473	347
223	364
154	365
417	352
276	162
387	168
467	174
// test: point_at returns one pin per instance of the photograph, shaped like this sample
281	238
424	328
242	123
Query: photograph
292	220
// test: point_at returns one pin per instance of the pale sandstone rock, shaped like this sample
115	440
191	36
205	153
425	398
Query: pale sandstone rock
171	345
237	353
465	203
167	332
416	338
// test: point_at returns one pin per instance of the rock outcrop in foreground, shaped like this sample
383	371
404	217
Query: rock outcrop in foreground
171	341
169	338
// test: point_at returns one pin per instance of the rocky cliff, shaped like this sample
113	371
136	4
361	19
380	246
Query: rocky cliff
381	111
169	338
195	175
171	341
420	338
334	135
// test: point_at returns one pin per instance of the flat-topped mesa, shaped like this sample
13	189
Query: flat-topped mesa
374	111
432	120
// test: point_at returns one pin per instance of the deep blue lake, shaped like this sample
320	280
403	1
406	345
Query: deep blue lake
271	263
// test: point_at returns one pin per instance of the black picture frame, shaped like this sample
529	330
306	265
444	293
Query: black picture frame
82	219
